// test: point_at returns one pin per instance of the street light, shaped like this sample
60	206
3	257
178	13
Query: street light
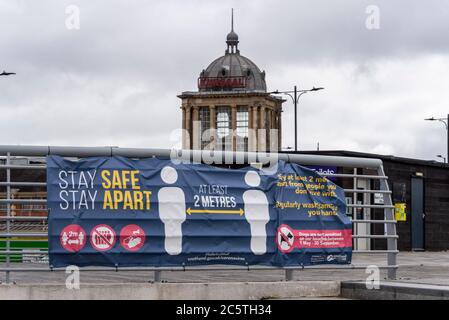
4	73
440	156
295	95
445	121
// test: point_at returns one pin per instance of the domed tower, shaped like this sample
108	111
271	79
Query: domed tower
231	110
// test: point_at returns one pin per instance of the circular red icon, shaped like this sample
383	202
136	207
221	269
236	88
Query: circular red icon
102	237
132	237
73	238
285	238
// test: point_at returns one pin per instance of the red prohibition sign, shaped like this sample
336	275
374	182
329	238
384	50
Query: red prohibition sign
285	238
102	237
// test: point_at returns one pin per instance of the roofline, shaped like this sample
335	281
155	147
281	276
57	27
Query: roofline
392	158
214	94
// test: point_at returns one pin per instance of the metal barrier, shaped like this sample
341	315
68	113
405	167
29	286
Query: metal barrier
34	160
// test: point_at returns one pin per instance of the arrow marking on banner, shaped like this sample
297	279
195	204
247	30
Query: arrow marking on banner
239	212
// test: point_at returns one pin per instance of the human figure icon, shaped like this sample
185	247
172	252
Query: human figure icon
256	213
172	211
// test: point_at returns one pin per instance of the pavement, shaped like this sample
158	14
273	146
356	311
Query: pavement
394	290
414	267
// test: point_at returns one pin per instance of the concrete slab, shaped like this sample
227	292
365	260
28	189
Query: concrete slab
175	291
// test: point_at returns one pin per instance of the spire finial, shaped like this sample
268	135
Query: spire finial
232	38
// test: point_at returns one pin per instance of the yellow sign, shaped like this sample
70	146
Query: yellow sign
399	212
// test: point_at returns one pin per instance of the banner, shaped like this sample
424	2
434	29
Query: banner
115	211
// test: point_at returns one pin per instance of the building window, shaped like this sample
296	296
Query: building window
242	129
204	118
267	129
224	136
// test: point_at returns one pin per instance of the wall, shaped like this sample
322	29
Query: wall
436	203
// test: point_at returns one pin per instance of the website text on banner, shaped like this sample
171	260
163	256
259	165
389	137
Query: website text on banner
115	211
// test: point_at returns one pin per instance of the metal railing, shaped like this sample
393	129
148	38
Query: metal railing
35	155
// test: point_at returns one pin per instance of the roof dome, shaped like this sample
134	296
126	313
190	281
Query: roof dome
241	73
232	72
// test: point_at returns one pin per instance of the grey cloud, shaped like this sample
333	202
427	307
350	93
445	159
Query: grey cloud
115	80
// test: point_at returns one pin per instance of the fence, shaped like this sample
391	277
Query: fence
17	227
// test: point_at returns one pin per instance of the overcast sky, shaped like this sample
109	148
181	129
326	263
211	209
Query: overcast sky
115	80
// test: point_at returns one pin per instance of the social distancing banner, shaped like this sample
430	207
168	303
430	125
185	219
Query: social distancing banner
115	211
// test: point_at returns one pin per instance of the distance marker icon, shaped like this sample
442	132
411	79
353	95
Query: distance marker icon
73	238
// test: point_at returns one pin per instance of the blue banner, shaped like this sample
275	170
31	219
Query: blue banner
115	211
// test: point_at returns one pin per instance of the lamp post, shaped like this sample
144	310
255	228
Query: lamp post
295	95
4	73
445	121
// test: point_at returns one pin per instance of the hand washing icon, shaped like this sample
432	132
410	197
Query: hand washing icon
133	241
132	237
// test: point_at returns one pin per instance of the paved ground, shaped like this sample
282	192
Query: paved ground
418	267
